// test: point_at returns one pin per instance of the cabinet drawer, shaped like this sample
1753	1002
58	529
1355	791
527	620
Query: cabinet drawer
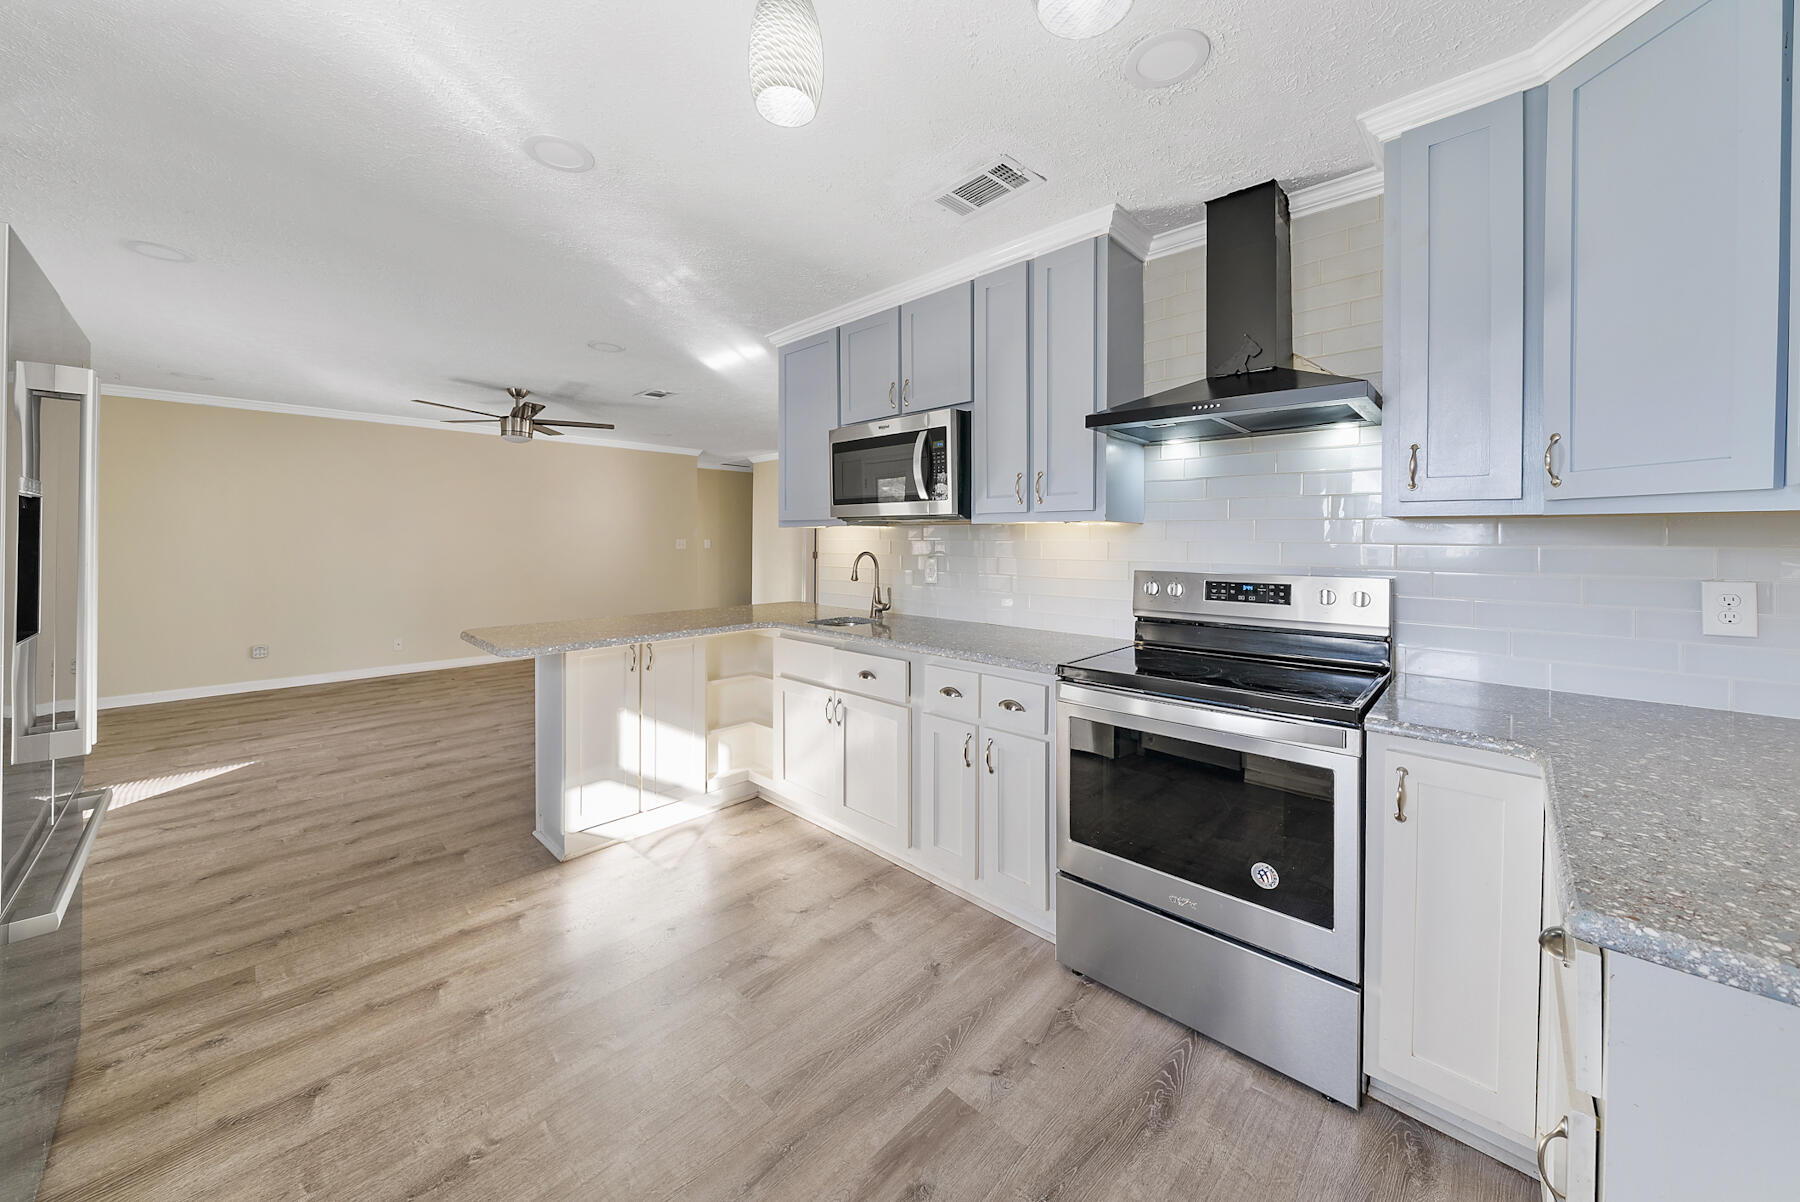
1016	705
953	692
872	675
796	660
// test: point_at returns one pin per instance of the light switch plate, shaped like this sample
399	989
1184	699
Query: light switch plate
1728	608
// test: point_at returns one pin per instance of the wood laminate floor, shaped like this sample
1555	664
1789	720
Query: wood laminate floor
326	959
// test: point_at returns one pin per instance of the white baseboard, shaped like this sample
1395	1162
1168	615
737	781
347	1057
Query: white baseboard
293	682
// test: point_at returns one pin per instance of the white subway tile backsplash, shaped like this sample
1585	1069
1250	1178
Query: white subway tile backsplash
1588	604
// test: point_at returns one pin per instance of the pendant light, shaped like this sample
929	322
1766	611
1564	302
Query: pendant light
1081	18
787	61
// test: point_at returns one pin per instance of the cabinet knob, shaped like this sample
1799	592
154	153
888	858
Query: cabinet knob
1560	1131
1400	795
865	674
1011	706
1555	940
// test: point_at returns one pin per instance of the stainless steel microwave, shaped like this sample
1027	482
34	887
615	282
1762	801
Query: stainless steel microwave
902	469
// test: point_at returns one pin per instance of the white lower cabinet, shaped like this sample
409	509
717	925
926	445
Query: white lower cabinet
672	721
949	796
877	766
1568	1126
1015	818
809	756
1455	850
601	765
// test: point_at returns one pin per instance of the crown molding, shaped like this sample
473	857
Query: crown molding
1111	221
1559	49
382	419
765	457
1333	193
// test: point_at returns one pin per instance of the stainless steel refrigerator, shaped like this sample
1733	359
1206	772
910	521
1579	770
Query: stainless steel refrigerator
48	823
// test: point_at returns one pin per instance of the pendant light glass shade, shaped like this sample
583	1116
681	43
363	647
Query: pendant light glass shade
787	61
1081	18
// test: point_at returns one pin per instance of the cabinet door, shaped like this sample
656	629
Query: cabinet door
601	770
1570	1161
809	410
1015	821
809	749
1453	981
949	796
1455	418
877	757
937	350
1065	385
674	721
1662	291
869	378
1002	421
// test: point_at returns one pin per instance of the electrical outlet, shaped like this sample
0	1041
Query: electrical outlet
706	544
259	651
681	544
1728	607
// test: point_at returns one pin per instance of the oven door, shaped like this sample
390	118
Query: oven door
904	468
1248	826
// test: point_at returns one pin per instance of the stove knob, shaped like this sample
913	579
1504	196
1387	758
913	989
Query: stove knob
1175	589
1151	588
1327	597
1361	600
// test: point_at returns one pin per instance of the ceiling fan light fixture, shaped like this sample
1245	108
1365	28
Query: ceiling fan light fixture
514	428
787	61
1076	19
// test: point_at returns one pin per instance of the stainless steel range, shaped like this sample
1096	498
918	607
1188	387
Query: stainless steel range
1209	816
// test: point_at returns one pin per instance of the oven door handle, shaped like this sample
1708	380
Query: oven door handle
1200	717
919	463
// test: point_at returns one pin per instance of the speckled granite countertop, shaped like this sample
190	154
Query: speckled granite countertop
980	642
1679	828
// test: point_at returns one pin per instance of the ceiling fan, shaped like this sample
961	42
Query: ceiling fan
521	422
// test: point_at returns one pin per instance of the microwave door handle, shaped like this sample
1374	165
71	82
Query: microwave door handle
919	464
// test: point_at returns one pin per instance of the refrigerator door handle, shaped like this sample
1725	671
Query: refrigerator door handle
20	929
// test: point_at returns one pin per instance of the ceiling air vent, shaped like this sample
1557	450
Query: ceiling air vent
1001	178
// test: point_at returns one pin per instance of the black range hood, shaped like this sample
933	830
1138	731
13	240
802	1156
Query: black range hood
1253	387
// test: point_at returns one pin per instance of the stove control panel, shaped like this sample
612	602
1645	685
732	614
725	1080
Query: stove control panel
1253	592
1346	603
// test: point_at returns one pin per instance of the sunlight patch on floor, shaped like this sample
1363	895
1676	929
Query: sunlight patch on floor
155	786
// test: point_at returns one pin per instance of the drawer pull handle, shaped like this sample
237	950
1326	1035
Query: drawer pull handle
1400	795
1412	468
1555	480
989	756
1555	940
865	674
968	746
952	692
1011	706
1560	1131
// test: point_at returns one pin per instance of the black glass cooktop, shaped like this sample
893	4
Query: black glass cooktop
1331	692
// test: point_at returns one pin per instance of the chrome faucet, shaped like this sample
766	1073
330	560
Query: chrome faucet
877	606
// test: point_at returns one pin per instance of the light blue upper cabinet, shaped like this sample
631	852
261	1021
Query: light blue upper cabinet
1662	277
1454	415
809	409
937	350
1087	352
1001	458
870	369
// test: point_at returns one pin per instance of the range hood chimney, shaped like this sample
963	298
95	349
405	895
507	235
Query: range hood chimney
1252	385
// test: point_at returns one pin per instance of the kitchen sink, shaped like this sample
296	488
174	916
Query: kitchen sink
842	622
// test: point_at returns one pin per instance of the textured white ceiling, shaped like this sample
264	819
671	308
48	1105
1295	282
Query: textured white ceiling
365	228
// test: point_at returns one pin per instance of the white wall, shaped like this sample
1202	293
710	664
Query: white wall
1606	605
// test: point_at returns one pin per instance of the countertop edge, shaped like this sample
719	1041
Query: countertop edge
1760	975
826	633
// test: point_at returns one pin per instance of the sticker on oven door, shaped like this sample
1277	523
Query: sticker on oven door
1265	875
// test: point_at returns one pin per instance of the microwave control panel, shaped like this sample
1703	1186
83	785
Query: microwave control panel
937	466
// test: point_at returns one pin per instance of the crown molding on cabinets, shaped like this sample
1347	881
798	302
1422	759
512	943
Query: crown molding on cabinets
384	419
1345	189
764	457
1112	221
1538	64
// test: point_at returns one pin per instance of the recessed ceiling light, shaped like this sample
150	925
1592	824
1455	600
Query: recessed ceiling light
159	252
559	154
787	61
654	394
1081	18
1163	60
604	347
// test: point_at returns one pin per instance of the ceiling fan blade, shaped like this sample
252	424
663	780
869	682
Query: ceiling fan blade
530	408
541	428
458	408
547	421
469	421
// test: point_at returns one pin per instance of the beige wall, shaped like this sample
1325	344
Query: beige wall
778	557
328	540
